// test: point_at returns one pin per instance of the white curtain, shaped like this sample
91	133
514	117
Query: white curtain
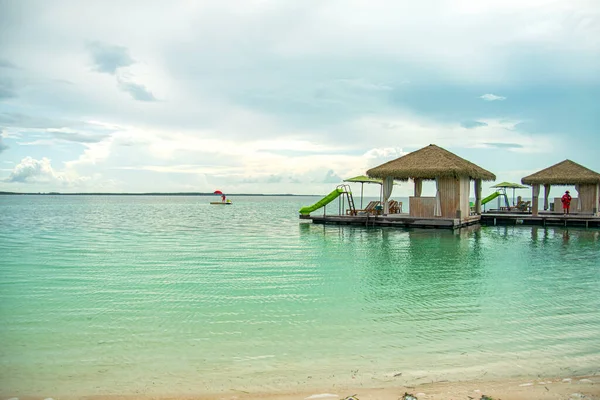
597	206
418	187
437	211
388	186
546	195
578	198
535	194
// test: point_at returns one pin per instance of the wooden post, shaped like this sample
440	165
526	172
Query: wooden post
595	209
418	186
535	194
478	196
546	194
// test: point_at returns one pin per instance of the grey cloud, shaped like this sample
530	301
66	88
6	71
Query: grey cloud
274	179
7	64
331	177
3	147
27	121
137	91
85	132
472	124
81	137
7	89
505	145
363	84
108	58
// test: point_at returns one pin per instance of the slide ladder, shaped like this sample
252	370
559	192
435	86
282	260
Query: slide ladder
499	193
490	198
338	191
346	189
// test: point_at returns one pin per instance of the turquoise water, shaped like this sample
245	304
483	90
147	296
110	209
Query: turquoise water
169	295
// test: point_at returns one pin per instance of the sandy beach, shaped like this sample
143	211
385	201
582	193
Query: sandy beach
574	388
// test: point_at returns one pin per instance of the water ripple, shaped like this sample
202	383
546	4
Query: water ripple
106	291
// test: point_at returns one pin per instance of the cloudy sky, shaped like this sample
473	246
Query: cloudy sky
271	96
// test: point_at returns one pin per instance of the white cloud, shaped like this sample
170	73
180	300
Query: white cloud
238	162
30	170
286	90
491	97
386	152
414	132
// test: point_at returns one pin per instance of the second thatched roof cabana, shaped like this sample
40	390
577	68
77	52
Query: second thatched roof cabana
451	173
429	163
567	172
564	173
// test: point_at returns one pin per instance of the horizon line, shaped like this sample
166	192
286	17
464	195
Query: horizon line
146	194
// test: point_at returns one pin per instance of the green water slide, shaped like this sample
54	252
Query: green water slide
323	202
490	197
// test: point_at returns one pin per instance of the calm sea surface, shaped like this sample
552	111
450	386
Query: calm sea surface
132	294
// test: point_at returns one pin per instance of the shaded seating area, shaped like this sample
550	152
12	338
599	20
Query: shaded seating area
524	206
451	173
375	208
566	173
369	209
395	207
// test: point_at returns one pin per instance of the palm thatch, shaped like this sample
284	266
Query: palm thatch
429	163
564	173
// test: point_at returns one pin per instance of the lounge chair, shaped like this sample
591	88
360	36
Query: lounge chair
524	205
369	209
395	207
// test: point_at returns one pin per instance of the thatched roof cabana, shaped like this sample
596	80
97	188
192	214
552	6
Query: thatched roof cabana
429	163
451	173
586	181
564	173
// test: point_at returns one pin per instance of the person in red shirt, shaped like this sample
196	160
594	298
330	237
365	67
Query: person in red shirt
566	202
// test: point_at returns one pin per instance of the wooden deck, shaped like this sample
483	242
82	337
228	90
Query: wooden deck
543	219
499	218
396	220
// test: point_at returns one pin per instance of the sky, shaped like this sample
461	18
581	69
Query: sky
271	96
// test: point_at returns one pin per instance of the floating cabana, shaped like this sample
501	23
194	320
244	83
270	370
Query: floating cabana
452	174
566	173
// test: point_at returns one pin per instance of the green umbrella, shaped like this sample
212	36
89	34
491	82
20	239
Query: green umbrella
362	179
510	185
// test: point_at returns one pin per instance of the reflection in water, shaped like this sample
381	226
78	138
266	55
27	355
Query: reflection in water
496	295
169	284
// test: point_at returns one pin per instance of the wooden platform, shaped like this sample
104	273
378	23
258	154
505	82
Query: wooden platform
397	220
543	219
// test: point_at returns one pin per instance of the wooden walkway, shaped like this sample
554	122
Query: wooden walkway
396	220
406	221
543	219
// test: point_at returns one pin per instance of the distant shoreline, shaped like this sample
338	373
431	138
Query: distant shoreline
148	194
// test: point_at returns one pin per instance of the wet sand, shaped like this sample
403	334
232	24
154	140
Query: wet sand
575	388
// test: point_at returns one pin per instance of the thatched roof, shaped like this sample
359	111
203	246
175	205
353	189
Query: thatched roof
429	163
564	173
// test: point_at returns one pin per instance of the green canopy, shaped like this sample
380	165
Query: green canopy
364	179
509	185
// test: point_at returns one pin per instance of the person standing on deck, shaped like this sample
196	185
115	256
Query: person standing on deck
222	198
566	202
